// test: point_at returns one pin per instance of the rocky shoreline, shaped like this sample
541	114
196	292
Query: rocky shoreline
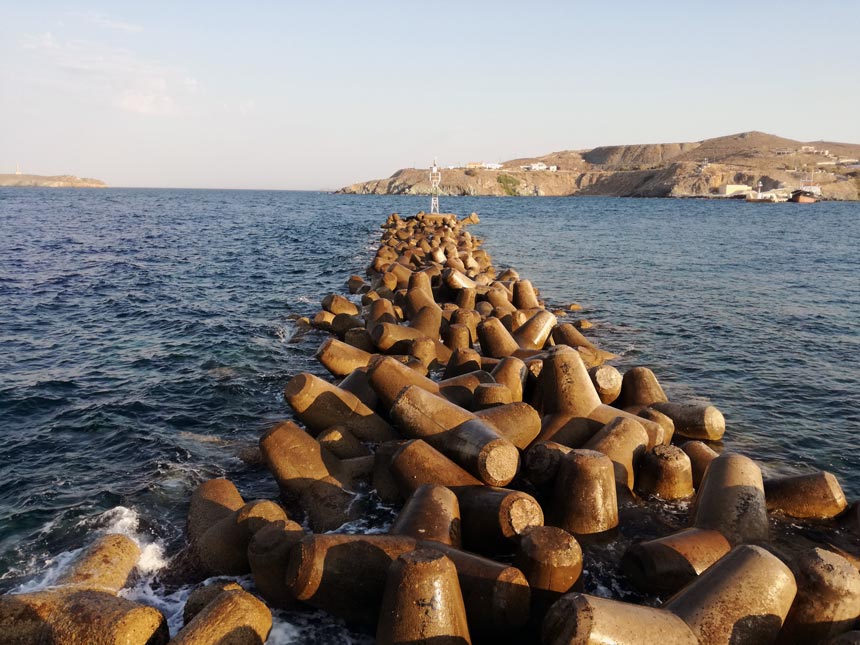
55	181
519	459
699	169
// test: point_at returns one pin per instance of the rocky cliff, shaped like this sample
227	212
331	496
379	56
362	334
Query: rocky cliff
695	169
56	181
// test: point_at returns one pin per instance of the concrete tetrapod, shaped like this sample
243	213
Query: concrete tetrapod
211	501
417	463
517	422
234	617
493	519
607	382
668	563
388	377
624	441
665	472
341	443
496	341
534	333
457	337
731	500
295	458
462	361
359	338
343	323
471	319
203	595
338	304
665	423
524	295
328	505
542	462
813	496
693	420
391	338
268	556
428	321
339	358
105	565
222	550
320	405
573	432
743	599
357	382
422	602
460	389
571	405
480	449
585	501
459	434
511	371
431	513
580	619
381	311
344	574
79	616
565	385
828	598
701	455
551	560
489	395
422	415
465	298
84	608
497	596
639	387
592	356
382	478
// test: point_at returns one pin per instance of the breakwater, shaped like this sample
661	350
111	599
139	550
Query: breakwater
485	394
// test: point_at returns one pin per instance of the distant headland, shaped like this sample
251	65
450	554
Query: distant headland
721	167
55	181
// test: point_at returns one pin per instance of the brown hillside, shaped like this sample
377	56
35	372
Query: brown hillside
637	156
745	144
697	169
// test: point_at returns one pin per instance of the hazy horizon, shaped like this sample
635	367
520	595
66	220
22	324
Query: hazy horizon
317	97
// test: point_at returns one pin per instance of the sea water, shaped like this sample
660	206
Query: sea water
146	337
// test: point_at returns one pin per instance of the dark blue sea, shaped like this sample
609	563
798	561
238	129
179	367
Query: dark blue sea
146	337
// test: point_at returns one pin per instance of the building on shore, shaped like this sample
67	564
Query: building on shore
733	189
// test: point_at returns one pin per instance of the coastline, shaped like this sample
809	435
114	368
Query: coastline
591	581
43	181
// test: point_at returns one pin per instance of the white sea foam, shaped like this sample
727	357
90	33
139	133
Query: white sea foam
283	633
51	570
120	519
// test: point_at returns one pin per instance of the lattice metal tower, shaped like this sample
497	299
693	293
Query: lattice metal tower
435	180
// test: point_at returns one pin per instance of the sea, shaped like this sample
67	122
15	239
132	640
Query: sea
146	336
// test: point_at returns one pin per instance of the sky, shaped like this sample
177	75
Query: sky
318	95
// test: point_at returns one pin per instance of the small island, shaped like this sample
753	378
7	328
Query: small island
723	167
44	181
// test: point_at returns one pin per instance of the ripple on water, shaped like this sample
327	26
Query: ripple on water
145	336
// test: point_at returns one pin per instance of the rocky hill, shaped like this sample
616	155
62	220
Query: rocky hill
56	181
697	169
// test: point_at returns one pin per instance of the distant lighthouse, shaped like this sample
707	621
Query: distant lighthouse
435	179
17	168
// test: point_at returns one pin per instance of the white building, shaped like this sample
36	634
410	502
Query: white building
734	189
537	165
491	166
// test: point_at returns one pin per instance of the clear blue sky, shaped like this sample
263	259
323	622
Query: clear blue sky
321	94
